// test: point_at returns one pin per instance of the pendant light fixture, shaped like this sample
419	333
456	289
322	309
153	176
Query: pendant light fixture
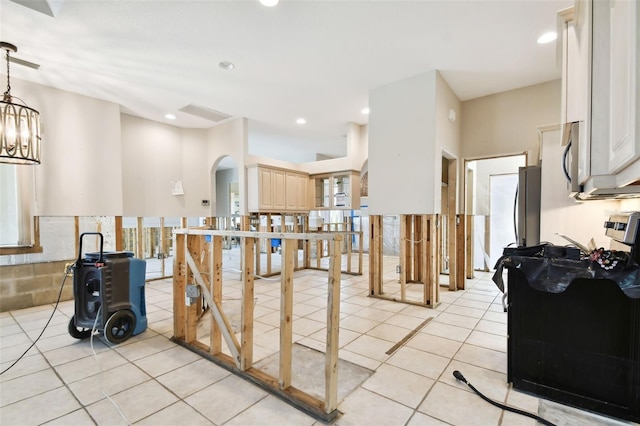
19	125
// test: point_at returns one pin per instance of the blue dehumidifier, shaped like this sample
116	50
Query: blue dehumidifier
108	291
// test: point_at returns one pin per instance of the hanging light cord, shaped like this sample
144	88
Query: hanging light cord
458	375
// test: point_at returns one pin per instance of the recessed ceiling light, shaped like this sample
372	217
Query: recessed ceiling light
365	111
269	3
547	37
170	117
226	65
301	121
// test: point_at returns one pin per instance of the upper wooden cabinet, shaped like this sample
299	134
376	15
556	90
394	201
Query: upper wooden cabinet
600	91
335	191
270	189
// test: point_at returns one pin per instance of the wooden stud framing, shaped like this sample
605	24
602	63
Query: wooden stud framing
216	293
451	225
246	348
460	251
194	263
469	246
333	325
418	258
179	287
375	255
286	314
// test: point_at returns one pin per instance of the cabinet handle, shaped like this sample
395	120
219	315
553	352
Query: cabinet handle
564	162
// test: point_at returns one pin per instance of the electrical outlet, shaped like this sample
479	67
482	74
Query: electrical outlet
193	291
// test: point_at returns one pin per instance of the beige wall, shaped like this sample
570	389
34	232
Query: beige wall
154	156
81	170
505	123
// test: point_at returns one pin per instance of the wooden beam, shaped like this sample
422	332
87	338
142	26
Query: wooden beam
469	245
140	238
452	208
286	313
460	251
119	233
215	346
246	348
432	298
375	250
179	287
333	328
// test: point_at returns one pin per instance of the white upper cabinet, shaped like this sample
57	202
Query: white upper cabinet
601	39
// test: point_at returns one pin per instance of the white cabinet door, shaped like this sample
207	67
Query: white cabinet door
623	76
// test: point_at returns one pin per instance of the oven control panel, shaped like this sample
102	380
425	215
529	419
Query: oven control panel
623	227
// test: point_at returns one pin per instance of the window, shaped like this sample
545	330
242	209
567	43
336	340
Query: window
18	228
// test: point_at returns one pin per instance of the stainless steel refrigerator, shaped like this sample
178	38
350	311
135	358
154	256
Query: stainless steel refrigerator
528	206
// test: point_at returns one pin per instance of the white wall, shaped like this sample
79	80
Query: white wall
448	135
81	148
228	139
562	214
402	147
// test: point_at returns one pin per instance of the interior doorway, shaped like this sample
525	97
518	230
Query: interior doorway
490	204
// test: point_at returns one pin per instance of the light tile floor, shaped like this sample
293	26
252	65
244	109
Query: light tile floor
153	381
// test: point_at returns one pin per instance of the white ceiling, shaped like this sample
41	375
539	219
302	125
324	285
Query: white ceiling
312	59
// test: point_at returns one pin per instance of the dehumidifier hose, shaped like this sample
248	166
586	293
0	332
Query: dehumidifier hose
458	375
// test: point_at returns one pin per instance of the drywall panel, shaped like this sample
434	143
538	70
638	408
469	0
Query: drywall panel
195	172
402	147
505	123
154	162
228	139
448	131
80	172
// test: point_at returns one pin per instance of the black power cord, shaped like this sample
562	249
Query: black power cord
66	272
458	375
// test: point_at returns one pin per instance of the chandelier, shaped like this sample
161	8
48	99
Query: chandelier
19	125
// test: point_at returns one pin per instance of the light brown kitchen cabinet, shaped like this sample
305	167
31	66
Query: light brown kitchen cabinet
271	189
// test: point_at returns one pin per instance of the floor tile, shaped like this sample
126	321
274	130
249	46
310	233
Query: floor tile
364	407
492	327
420	419
388	332
371	347
491	383
89	366
399	385
176	414
483	357
420	362
26	412
27	386
135	403
488	340
447	331
271	411
225	399
459	407
79	417
166	360
434	344
457	320
358	324
109	382
144	348
28	365
193	377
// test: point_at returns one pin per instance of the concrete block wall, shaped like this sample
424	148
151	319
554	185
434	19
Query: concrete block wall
33	284
34	279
